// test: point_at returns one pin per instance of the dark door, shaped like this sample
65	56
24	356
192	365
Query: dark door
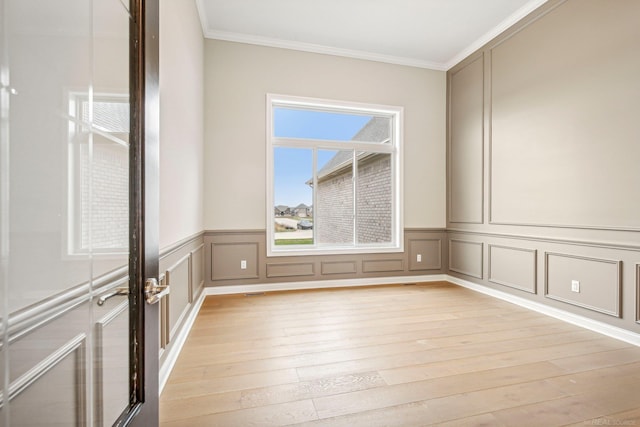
78	212
144	222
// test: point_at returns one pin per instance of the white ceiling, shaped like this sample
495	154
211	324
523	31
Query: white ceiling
434	34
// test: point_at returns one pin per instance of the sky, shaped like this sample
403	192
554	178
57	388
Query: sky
294	166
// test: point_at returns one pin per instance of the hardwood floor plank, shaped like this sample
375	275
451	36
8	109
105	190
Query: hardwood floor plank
474	363
365	400
311	389
206	384
196	406
583	408
441	410
267	416
602	359
409	363
626	418
549	413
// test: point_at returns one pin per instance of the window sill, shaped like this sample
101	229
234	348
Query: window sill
301	251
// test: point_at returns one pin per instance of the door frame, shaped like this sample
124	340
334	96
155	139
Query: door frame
144	196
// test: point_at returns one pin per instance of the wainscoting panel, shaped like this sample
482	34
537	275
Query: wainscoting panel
338	267
466	257
382	266
290	269
429	251
197	271
55	389
466	166
637	293
513	267
112	365
227	259
225	249
178	279
599	282
182	268
163	319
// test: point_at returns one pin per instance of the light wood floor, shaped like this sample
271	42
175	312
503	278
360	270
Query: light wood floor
427	354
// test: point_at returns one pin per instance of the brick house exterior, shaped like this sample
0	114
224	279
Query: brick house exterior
334	211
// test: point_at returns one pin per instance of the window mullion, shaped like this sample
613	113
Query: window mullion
332	145
314	200
354	185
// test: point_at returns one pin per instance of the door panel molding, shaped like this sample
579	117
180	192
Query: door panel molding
101	327
23	382
33	317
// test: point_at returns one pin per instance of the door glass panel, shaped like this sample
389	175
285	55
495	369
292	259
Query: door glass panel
64	211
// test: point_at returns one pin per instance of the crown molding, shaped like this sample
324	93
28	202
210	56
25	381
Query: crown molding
326	50
494	32
204	22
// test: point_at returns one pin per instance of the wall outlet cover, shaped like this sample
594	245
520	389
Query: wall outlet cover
575	286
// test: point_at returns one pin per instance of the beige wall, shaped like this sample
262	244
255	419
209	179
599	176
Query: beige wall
238	76
543	149
181	121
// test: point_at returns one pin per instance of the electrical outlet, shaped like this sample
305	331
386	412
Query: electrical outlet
575	286
419	258
243	264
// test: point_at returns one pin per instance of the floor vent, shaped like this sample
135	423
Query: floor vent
254	294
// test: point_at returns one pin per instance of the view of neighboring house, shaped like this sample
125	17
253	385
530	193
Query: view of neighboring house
282	210
373	187
302	211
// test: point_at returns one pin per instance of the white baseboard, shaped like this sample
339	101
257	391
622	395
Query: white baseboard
178	342
584	322
321	284
574	319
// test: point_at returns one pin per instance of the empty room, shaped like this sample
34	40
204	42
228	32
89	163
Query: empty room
337	213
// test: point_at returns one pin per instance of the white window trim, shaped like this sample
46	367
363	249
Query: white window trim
395	112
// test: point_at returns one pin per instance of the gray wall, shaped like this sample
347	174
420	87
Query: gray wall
224	250
543	149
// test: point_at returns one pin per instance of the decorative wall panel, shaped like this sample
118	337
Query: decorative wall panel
513	267
466	257
599	282
466	143
227	261
338	267
178	278
382	266
290	269
425	254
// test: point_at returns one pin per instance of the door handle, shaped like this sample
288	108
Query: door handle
122	290
153	291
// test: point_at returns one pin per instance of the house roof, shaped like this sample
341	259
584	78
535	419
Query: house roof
378	129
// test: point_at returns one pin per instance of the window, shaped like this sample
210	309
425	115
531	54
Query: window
333	177
98	179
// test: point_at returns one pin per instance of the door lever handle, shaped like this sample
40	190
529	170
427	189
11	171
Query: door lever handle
122	290
153	291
